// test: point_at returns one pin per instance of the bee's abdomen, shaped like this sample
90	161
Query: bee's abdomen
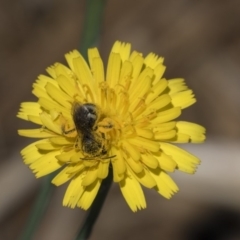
91	145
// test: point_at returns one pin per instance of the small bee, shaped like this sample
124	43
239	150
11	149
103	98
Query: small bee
85	117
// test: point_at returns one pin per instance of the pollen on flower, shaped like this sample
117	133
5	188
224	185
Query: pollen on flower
124	120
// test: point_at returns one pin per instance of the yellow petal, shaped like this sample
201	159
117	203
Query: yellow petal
194	131
165	127
132	150
123	49
149	160
35	119
103	169
46	164
159	103
176	85
59	96
158	73
143	143
183	99
63	176
60	69
89	195
70	56
77	156
166	162
126	72
62	141
31	153
165	185
113	69
97	69
91	176
67	85
46	145
152	60
50	70
51	105
145	178
74	191
136	166
120	165
43	80
142	85
66	156
29	108
180	138
137	64
167	115
98	72
186	162
146	133
74	168
165	135
136	97
92	54
132	193
31	147
36	133
156	90
82	70
116	177
48	123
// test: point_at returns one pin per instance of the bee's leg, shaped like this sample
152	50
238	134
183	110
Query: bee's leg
66	132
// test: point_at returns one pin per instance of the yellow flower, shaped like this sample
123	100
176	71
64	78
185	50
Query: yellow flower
124	120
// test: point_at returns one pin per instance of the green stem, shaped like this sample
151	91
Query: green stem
92	25
96	207
38	209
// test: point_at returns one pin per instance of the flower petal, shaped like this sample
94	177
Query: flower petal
144	177
194	131
91	176
46	164
132	193
36	133
143	143
89	195
186	162
103	169
74	191
165	185
183	99
166	162
120	163
132	150
168	115
113	69
63	176
156	90
149	160
49	124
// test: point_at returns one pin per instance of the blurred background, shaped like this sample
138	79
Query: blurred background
200	41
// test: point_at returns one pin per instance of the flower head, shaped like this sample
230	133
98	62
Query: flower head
124	120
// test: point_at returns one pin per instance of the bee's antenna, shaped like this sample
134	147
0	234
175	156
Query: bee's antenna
101	158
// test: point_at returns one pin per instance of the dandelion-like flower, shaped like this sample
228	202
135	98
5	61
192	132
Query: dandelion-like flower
126	120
